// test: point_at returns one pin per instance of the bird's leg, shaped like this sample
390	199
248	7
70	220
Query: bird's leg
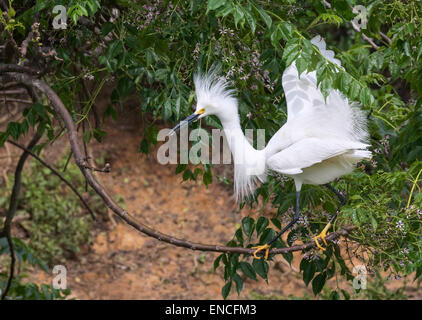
267	246
323	233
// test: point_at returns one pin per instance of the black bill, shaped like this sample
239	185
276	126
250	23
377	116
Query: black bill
188	120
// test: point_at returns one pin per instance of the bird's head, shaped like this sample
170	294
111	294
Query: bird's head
214	97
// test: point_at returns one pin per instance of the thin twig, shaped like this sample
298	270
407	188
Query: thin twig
57	174
67	161
365	37
25	43
15	100
106	168
12	92
386	38
16	68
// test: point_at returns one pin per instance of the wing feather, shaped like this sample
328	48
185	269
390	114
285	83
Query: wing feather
302	92
316	116
308	152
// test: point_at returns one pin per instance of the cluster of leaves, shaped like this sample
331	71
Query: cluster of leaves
20	288
151	49
58	225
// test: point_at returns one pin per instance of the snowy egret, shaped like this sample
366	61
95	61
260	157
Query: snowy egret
321	140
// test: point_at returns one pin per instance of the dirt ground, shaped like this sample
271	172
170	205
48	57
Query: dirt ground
122	263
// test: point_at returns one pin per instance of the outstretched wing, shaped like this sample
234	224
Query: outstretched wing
310	151
302	94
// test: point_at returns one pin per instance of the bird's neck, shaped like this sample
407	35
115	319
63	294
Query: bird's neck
237	141
249	163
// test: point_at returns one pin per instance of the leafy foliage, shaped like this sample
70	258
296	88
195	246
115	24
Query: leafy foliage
20	288
57	226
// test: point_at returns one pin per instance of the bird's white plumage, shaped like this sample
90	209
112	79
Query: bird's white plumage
322	139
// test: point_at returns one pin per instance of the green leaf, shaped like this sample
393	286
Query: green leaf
301	65
275	37
288	256
226	290
308	272
177	108
354	90
248	226
346	295
3	138
187	174
239	16
225	11
291	47
106	28
239	283
318	283
180	167
239	236
267	235
247	270
287	30
99	134
214	4
374	223
334	295
217	261
13	128
110	112
291	52
115	48
345	81
261	224
124	86
250	19
207	177
366	96
261	267
276	222
82	11
264	16
39	109
167	110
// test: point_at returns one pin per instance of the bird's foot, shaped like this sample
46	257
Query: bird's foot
322	236
265	247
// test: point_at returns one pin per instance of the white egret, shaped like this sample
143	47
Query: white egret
321	140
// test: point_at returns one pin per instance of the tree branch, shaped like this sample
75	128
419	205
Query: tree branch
386	38
57	174
80	160
21	69
15	100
